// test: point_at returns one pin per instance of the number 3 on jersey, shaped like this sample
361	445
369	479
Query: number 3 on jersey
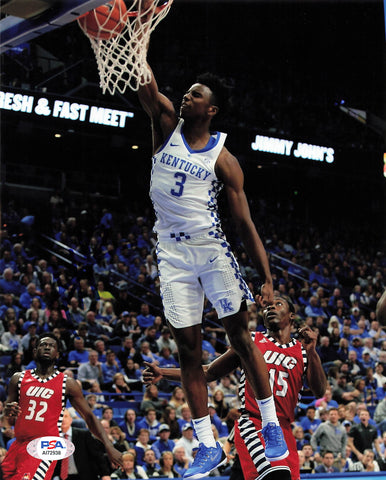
37	414
179	183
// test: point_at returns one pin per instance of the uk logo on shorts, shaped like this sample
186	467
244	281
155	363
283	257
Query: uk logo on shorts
50	448
226	305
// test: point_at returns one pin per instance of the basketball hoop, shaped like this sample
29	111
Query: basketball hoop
119	33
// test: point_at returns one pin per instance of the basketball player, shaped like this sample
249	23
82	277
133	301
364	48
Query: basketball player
190	165
35	404
288	360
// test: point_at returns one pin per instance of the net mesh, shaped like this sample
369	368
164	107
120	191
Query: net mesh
121	59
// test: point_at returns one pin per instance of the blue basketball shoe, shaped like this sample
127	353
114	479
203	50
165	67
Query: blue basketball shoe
275	446
206	460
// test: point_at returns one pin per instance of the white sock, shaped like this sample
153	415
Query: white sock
267	410
203	429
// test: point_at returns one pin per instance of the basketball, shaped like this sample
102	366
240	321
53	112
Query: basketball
104	22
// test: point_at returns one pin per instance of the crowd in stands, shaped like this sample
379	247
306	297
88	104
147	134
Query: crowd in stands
97	290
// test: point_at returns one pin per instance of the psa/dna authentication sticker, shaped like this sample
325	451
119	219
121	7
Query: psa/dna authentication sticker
50	448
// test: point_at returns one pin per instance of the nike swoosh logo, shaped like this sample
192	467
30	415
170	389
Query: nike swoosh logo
211	260
174	144
263	403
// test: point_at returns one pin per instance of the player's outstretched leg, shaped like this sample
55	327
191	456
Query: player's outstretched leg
206	460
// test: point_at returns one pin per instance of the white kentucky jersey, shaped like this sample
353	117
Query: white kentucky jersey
184	187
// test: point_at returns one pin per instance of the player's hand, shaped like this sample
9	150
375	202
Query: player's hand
115	457
266	294
12	409
152	373
308	337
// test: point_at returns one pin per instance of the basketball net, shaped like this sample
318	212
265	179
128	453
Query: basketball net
121	59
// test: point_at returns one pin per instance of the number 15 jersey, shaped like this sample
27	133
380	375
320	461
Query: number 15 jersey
287	365
184	186
42	403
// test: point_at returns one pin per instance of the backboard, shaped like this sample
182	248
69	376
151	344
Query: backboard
23	20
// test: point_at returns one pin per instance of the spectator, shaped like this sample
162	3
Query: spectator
145	355
75	314
100	347
188	441
309	422
9	301
142	444
132	375
15	365
363	436
127	350
11	340
163	444
91	371
79	354
313	309
298	433
379	374
170	418
222	407
123	326
167	360
165	340
177	398
145	319
343	392
129	468
309	462
27	297
327	465
25	340
129	426
8	285
149	336
186	416
216	421
149	464
302	467
98	329
380	415
330	436
366	464
110	367
108	416
167	466
150	422
181	461
119	387
119	439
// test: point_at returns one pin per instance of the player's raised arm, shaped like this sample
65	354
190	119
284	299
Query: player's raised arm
222	365
229	171
316	377
159	108
75	395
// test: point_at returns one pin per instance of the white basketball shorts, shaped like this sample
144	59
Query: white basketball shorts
195	267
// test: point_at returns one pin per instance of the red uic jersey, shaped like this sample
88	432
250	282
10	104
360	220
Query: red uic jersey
286	367
42	403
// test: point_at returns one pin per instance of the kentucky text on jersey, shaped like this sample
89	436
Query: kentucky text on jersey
184	165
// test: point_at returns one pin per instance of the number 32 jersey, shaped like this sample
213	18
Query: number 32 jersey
184	186
286	366
42	403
